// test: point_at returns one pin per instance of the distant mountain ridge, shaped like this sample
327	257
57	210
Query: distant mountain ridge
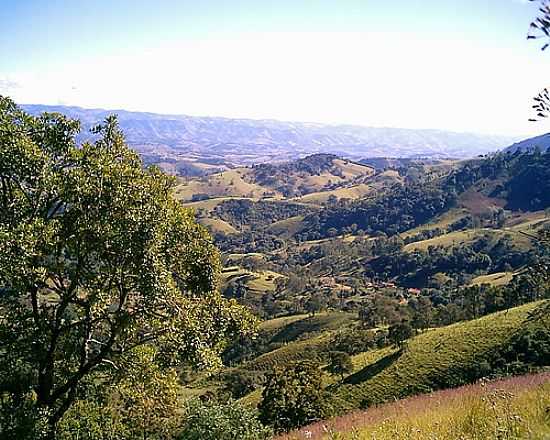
541	142
245	141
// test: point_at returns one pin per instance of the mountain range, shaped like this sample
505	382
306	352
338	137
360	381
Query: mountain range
226	142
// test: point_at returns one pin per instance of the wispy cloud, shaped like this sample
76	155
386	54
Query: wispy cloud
7	85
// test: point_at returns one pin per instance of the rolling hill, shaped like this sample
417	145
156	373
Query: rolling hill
312	174
459	349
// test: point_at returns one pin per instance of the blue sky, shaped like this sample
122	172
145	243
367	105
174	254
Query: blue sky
463	65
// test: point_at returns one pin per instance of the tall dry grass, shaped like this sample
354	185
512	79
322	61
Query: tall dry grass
513	408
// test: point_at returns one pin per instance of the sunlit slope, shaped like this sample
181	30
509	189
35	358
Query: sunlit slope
439	358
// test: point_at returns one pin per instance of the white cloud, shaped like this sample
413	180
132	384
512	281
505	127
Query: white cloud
7	86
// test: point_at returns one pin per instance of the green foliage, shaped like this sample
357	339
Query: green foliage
97	261
399	333
282	176
293	397
398	210
448	357
257	215
315	304
241	382
488	252
354	341
339	363
231	421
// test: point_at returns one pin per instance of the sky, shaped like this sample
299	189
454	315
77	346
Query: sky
462	65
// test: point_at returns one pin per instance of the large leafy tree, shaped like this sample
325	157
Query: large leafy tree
293	397
340	363
97	261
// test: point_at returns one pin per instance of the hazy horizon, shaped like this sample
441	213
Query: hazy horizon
442	65
283	121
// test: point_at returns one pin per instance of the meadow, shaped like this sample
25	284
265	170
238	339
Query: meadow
511	408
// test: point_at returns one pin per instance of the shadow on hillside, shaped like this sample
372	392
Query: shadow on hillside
373	369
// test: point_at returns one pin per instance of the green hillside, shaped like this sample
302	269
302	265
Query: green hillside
436	359
305	338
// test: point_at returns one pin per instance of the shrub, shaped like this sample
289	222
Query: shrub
231	421
293	397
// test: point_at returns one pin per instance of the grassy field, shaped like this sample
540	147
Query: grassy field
494	279
434	359
308	349
231	183
288	227
216	225
366	187
512	408
528	223
446	240
467	236
257	282
303	336
442	222
351	192
319	323
278	323
210	204
239	182
352	169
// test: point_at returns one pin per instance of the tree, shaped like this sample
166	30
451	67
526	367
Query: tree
398	333
293	397
367	315
536	280
97	260
339	364
315	304
142	402
230	421
353	340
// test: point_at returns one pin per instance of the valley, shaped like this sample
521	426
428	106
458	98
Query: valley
285	220
333	267
340	284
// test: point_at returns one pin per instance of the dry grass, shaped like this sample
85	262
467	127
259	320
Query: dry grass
216	225
231	183
210	204
468	236
512	408
287	227
494	279
258	282
528	222
352	192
